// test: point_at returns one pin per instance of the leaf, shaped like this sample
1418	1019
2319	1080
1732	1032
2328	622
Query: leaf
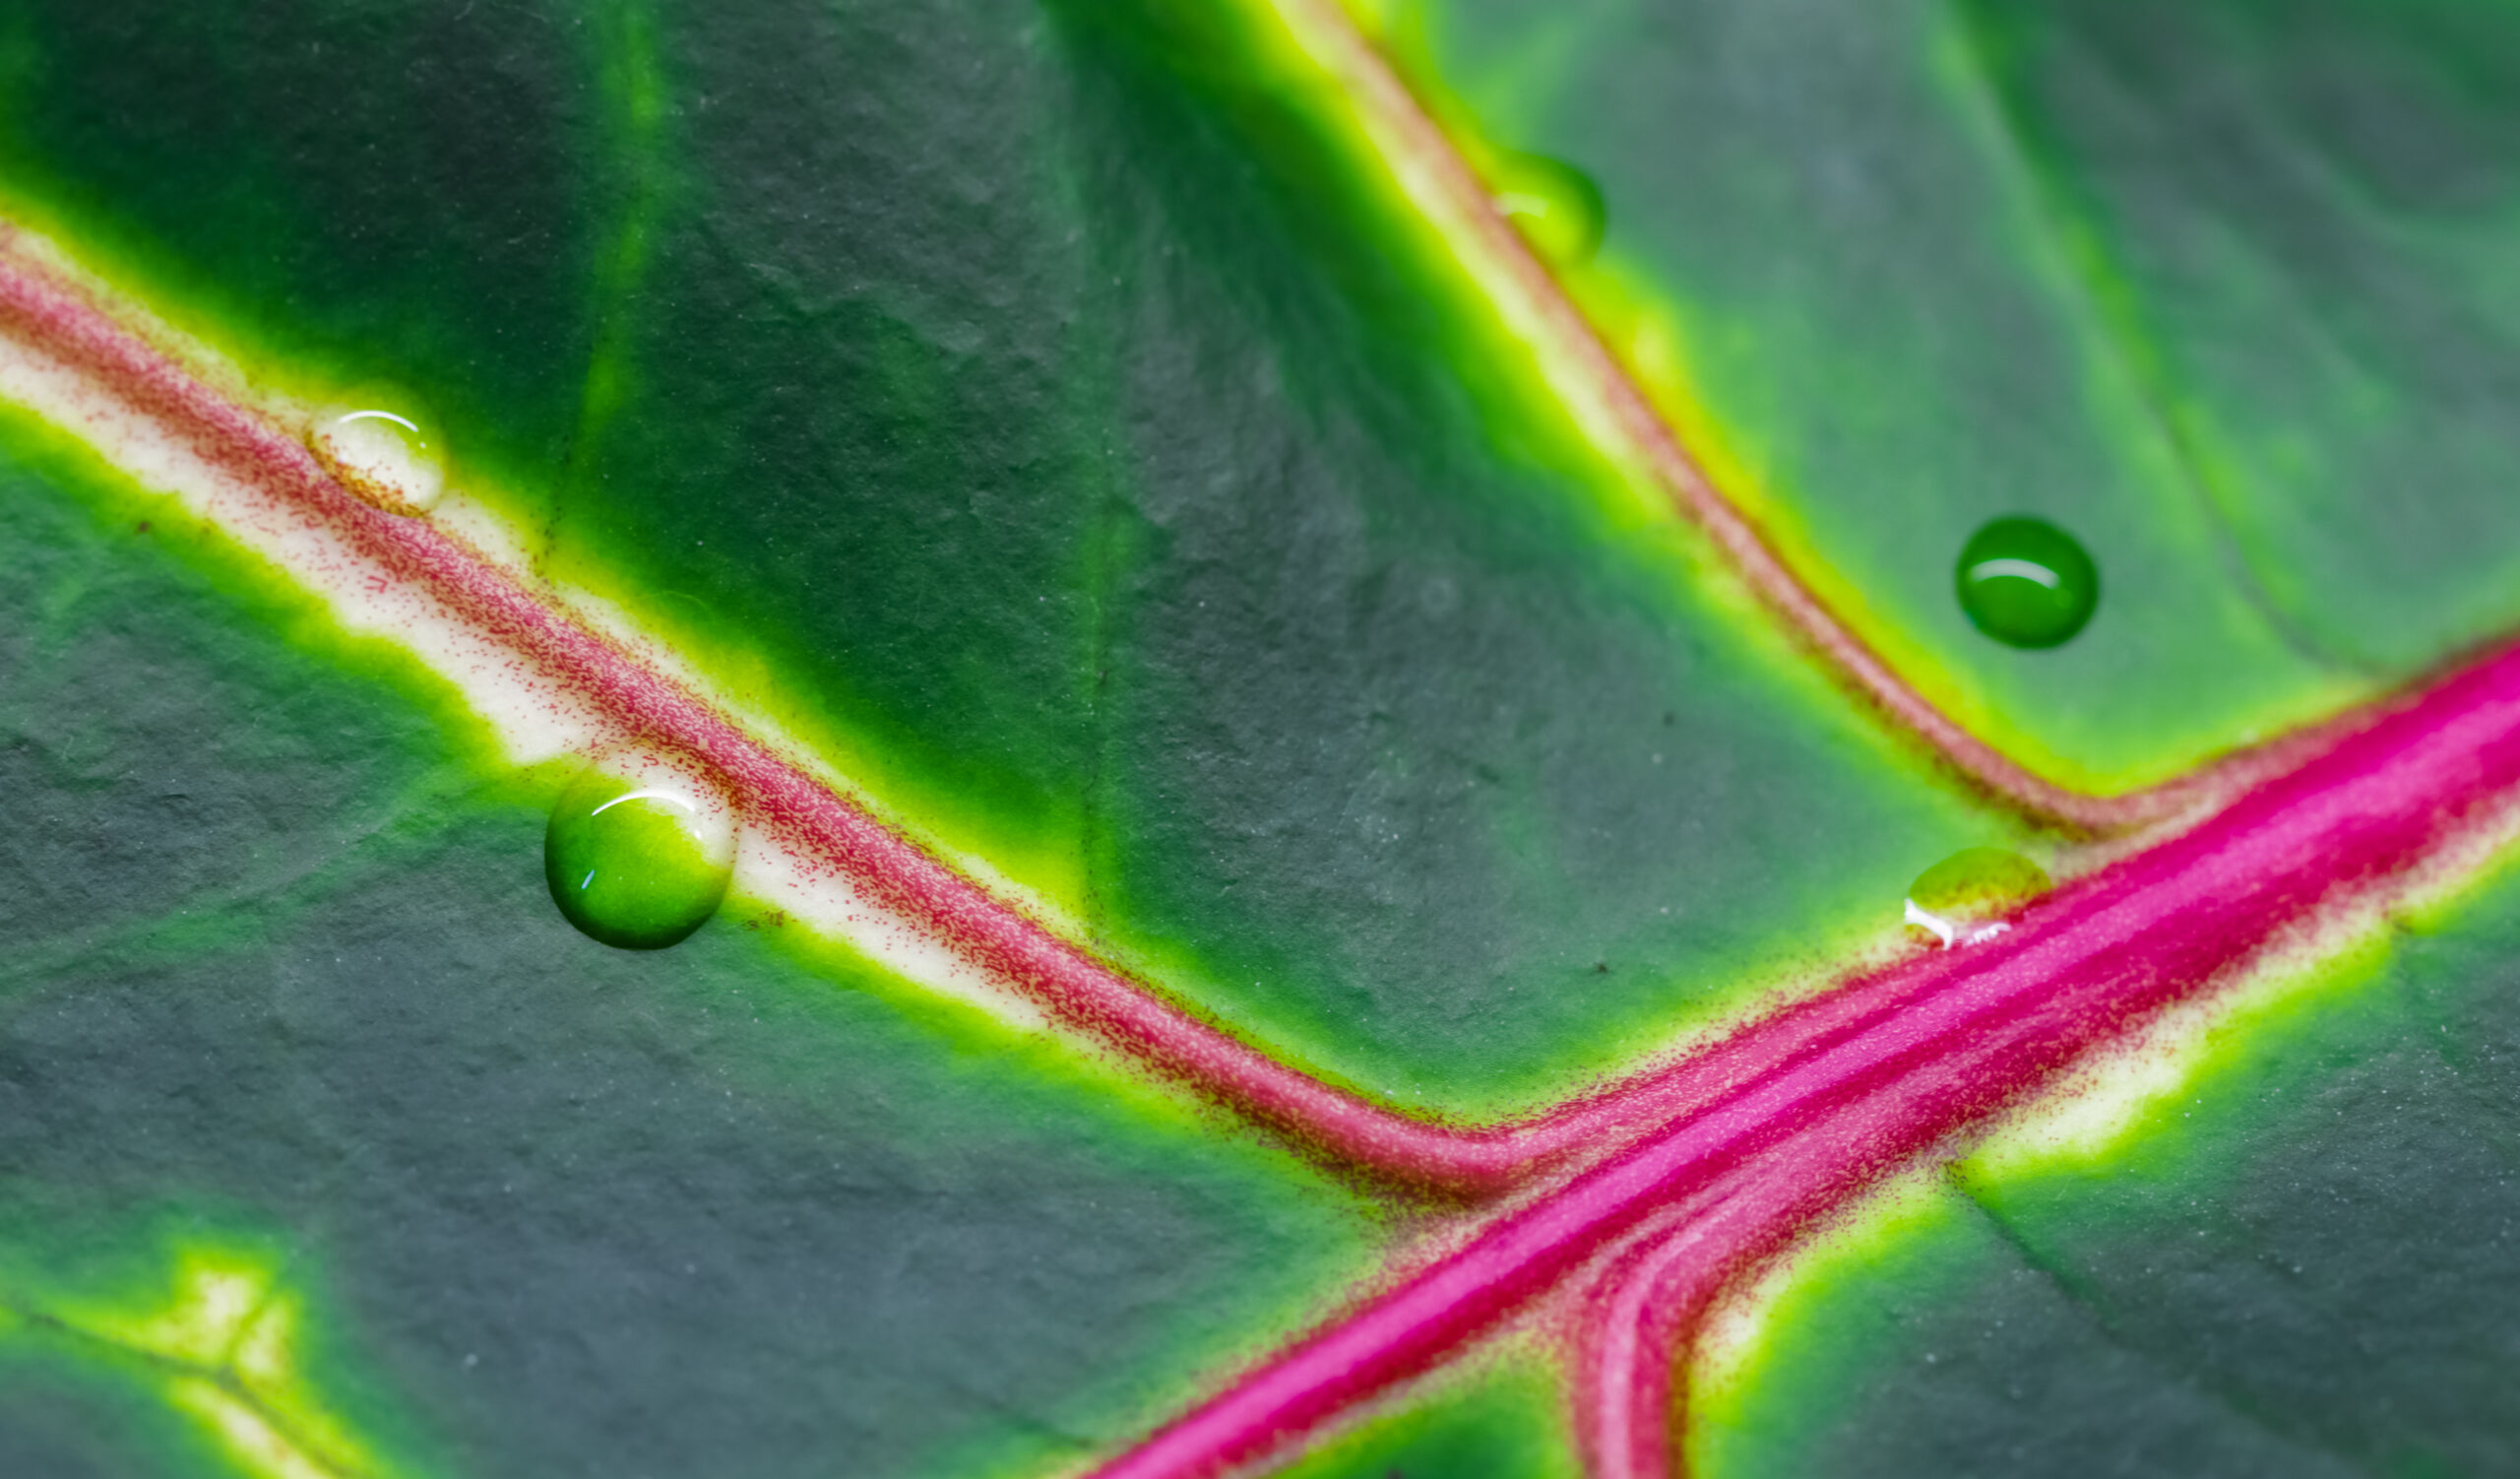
1046	625
1876	275
1067	428
2287	1262
578	1209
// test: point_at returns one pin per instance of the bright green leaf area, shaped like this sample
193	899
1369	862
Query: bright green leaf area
281	958
1894	326
1502	1417
2303	1264
1050	416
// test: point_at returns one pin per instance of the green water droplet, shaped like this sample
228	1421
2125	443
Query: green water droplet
383	447
1956	901
1558	207
1978	882
639	850
2027	583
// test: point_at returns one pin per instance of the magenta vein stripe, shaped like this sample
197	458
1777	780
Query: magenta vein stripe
1831	1095
1081	993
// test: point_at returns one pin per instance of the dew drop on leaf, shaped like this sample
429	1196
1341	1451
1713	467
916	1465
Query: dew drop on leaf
1956	899
384	449
639	850
1988	879
2026	583
1558	207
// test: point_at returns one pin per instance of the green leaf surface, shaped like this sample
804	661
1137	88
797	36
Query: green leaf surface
1057	421
1844	251
1044	414
562	1209
67	1414
1503	1421
2297	1263
2306	226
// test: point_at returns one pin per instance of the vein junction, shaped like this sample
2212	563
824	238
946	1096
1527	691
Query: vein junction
222	1349
1724	1157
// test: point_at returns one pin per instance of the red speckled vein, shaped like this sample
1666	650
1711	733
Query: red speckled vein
1590	370
1075	990
1737	1148
569	658
1825	1098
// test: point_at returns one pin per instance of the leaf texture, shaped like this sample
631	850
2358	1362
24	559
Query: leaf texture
1064	426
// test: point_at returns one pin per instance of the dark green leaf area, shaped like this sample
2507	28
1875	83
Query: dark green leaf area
1952	1355
1053	417
2301	1264
390	189
165	789
1418	755
68	1411
775	323
594	1214
570	1210
857	450
1896	339
2305	218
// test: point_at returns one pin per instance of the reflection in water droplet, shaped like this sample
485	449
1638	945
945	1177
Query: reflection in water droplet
1955	899
639	850
1556	205
2027	583
386	457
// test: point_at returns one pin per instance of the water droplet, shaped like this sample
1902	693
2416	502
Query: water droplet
1956	899
639	849
1557	207
1983	879
2027	583
383	448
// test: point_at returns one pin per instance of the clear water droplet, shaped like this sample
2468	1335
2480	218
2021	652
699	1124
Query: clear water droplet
1958	899
1558	207
382	447
639	849
2026	583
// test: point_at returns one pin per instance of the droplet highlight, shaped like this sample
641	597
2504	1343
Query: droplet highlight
1557	207
383	449
2027	583
639	850
1958	900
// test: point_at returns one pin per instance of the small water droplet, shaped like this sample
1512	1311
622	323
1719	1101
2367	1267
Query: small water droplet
383	448
1955	899
639	849
1558	207
2026	583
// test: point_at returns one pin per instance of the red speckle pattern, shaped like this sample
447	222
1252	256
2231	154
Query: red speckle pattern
1678	1180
